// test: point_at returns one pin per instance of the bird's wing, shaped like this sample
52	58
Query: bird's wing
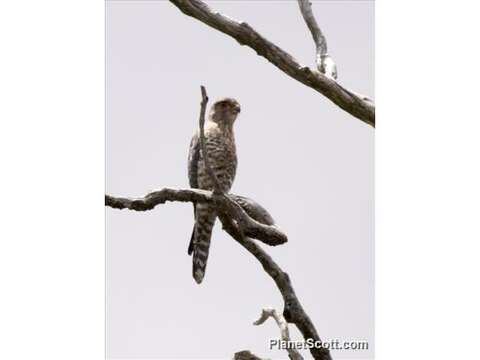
193	159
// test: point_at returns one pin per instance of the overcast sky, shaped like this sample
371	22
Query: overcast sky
303	158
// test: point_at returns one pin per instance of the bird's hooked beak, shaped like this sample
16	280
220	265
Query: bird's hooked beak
237	109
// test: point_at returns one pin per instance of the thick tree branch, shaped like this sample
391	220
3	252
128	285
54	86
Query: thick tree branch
254	220
325	63
246	35
268	312
293	310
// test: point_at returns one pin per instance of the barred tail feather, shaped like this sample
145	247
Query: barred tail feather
202	233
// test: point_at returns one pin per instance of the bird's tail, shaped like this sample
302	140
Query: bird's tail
200	241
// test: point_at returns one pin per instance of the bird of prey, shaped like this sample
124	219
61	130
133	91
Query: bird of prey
220	146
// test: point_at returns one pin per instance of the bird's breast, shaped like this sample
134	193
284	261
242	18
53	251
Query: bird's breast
223	160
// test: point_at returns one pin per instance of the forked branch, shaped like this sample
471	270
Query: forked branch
268	312
242	32
242	218
325	63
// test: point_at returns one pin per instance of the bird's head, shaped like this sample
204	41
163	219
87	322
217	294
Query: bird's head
225	111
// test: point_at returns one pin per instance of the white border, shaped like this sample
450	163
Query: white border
427	180
52	176
51	148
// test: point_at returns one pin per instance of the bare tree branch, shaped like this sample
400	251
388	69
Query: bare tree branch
239	224
157	197
325	63
268	312
270	234
203	105
293	310
254	220
149	201
246	35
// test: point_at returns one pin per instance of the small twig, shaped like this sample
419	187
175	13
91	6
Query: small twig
325	63
203	106
268	312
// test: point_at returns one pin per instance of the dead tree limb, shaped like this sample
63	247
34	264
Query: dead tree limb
246	35
268	312
241	217
254	220
325	63
293	310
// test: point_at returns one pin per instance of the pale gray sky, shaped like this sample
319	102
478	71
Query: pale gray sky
290	140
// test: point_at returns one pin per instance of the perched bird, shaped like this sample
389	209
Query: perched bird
220	146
